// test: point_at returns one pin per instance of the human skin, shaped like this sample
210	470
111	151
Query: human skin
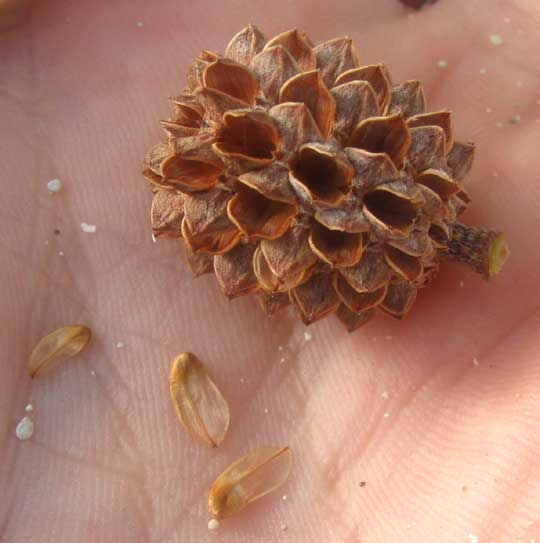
448	449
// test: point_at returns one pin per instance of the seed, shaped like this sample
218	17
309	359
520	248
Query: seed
63	343
251	477
200	406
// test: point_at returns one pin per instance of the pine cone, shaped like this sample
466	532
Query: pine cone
293	172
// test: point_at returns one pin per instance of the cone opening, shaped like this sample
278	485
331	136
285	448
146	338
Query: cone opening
188	170
249	136
335	247
388	135
255	215
321	174
390	208
188	116
440	184
437	234
231	78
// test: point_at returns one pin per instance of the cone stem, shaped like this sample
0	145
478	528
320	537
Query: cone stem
483	250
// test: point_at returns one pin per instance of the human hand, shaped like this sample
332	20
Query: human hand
446	448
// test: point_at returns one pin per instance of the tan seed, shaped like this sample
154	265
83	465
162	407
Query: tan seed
57	346
251	477
200	406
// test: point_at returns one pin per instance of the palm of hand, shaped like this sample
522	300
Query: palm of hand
444	446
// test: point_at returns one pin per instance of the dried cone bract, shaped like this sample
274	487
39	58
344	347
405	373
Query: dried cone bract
295	172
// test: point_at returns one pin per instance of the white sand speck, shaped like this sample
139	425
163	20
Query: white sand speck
266	410
140	24
60	253
483	71
213	524
24	429
284	497
282	360
120	345
496	39
154	238
385	395
442	63
88	228
283	527
473	538
489	110
54	186
29	408
308	336
386	415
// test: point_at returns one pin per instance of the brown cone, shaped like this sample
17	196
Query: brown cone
294	172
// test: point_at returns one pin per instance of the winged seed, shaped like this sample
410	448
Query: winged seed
199	404
251	477
57	346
